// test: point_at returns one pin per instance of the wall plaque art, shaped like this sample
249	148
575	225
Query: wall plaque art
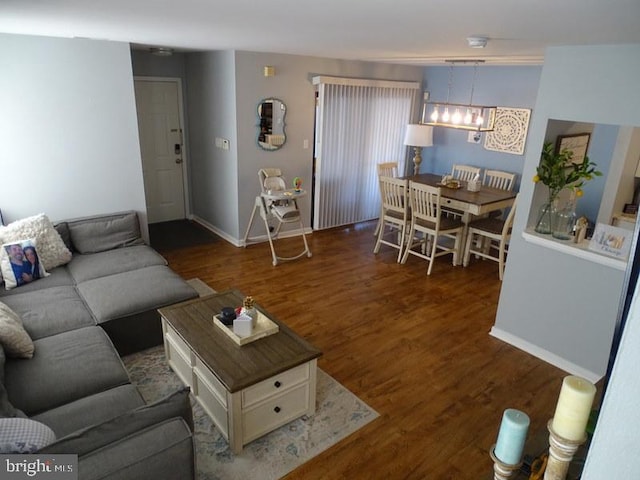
510	131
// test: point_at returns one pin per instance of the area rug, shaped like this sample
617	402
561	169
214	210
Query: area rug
338	414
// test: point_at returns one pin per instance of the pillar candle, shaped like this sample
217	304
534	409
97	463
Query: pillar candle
511	437
573	408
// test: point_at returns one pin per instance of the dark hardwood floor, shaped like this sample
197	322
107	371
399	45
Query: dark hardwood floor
417	349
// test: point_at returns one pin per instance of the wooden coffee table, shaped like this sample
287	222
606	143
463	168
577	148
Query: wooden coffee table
247	390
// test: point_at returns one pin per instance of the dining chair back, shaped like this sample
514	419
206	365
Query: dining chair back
395	214
465	172
386	169
499	179
429	228
489	238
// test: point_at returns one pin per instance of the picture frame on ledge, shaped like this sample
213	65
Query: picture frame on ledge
612	241
577	143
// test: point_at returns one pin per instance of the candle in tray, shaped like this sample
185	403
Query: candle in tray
573	408
513	431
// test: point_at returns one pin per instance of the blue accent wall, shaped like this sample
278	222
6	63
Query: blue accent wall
514	87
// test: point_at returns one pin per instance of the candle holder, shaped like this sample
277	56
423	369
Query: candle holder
561	452
501	470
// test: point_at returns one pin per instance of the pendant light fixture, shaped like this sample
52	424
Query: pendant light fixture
478	118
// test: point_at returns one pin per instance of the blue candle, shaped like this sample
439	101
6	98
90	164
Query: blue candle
513	431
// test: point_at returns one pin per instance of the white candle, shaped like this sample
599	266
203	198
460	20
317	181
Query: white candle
573	408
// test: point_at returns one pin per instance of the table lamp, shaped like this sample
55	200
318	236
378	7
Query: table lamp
418	136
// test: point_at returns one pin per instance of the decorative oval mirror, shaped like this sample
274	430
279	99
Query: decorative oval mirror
271	113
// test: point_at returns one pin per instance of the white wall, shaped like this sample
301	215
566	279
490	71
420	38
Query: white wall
68	128
557	306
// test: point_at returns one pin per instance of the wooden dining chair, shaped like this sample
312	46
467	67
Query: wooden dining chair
489	238
465	172
394	215
386	169
428	226
499	179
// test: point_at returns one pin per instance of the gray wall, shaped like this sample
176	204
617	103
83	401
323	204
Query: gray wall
225	183
211	95
68	128
558	306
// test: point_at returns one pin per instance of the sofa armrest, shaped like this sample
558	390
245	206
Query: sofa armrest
94	437
164	450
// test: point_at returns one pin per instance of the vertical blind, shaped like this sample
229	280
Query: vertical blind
360	123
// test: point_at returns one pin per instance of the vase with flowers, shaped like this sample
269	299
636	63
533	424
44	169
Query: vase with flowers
558	172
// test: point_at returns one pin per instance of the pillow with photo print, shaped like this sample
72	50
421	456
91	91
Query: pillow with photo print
20	263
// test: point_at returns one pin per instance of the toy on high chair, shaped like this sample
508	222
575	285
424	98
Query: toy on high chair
297	184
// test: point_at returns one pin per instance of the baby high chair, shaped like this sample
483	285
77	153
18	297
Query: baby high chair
276	202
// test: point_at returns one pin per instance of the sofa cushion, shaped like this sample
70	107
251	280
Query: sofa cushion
94	437
28	267
105	232
57	277
50	311
164	450
91	410
51	248
137	291
85	267
64	368
14	338
23	435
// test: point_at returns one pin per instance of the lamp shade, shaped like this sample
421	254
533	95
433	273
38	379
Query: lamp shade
418	135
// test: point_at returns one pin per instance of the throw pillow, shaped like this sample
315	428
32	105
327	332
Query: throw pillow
14	338
20	263
53	252
23	435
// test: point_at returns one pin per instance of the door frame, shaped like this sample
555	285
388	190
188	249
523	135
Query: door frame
185	146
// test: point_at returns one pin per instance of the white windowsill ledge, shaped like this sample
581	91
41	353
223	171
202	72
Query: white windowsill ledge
580	250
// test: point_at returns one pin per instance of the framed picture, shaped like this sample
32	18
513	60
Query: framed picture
614	241
577	143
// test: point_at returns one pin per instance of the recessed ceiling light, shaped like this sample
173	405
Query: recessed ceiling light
161	51
477	42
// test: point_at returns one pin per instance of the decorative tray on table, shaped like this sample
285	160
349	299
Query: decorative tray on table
264	327
451	184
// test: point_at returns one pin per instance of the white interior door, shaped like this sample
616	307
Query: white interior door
161	146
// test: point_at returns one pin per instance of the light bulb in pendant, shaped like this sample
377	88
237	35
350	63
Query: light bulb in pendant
434	115
479	120
456	117
445	115
468	117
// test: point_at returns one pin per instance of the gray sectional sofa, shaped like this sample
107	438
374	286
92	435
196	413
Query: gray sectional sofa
81	318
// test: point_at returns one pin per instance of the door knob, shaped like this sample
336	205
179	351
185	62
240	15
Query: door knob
178	160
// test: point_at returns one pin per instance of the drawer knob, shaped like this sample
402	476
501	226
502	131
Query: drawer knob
277	384
277	409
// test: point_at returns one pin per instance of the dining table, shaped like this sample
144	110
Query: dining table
485	200
467	203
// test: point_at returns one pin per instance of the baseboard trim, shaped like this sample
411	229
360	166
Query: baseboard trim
545	355
240	242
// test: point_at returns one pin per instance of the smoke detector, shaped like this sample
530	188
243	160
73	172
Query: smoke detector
477	42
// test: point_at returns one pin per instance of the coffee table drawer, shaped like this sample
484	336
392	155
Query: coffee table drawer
216	387
179	360
275	385
207	396
274	413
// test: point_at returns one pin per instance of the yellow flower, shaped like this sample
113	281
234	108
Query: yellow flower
536	178
579	192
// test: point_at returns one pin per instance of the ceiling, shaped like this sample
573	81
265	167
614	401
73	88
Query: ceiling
412	32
